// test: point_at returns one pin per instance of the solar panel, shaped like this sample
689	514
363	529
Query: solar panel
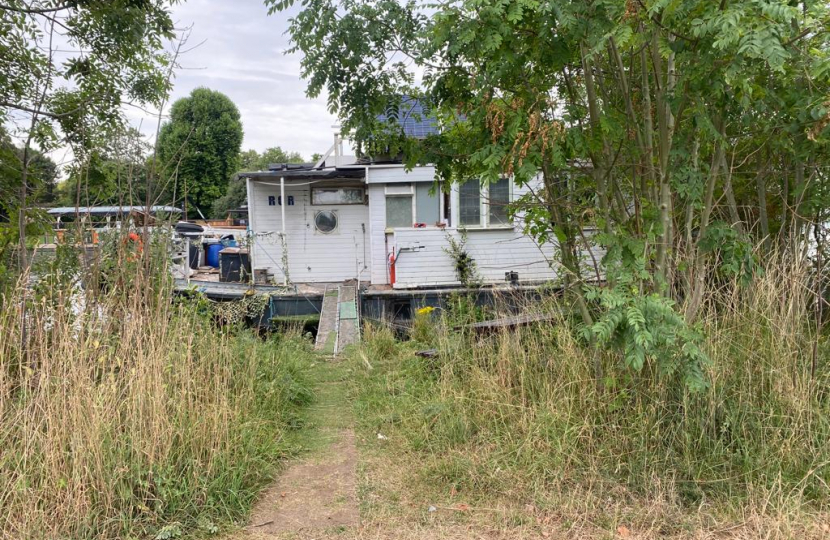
412	118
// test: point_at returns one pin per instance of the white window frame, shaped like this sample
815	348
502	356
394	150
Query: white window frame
361	188
484	201
335	230
400	190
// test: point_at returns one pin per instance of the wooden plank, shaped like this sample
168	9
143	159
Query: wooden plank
348	329
327	330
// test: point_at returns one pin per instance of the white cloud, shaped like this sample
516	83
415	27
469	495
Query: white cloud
239	50
242	55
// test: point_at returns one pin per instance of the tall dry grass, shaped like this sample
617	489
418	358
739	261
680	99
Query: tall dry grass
134	412
518	413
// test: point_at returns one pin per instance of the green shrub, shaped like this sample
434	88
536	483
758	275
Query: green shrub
526	402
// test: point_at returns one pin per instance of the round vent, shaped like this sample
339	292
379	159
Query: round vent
325	221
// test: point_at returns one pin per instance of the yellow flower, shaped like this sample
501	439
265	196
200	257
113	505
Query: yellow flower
425	310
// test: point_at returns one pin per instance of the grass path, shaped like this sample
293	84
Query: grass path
348	484
361	477
316	494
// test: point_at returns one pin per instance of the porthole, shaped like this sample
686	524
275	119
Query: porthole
325	221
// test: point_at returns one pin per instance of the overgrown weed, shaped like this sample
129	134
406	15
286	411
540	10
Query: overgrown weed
518	415
124	414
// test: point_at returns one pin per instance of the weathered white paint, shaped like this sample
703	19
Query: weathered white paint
422	256
362	243
312	256
423	259
389	174
377	229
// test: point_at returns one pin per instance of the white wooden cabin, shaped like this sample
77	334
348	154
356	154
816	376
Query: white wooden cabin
340	220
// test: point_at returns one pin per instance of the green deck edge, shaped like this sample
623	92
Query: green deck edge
348	310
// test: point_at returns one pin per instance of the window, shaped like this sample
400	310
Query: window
399	211
344	195
497	201
427	205
399	205
469	203
484	206
325	221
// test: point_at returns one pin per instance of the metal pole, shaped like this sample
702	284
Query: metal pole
284	240
187	261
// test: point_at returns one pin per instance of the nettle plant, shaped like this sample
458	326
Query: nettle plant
642	327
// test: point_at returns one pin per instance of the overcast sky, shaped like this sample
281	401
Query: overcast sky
243	57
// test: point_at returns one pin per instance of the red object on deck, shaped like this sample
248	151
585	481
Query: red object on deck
391	268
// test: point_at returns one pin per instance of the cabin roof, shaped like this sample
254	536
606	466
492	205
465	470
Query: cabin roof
305	171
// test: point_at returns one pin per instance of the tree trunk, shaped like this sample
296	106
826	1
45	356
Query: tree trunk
665	126
648	124
600	162
763	220
23	255
734	216
698	278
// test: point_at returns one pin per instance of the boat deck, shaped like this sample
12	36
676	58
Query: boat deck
209	284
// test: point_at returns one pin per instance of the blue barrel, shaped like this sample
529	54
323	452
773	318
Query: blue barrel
213	254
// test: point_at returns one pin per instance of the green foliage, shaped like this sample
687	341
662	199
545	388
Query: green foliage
643	328
423	326
462	308
60	275
736	257
68	70
519	414
199	148
650	119
42	176
169	532
647	332
235	196
124	257
194	460
115	172
110	53
250	160
466	269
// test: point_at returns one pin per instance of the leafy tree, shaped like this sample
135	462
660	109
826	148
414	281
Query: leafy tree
43	173
199	148
67	69
113	174
650	120
250	160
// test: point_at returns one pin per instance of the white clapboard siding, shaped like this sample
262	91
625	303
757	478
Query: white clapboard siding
377	228
423	260
495	251
312	256
381	174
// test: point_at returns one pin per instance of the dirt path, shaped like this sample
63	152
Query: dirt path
316	495
362	486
